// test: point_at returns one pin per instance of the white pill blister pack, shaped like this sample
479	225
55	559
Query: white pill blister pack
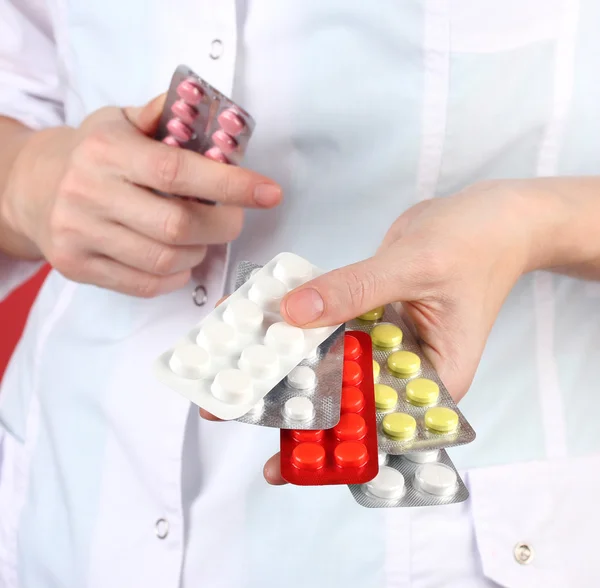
309	397
425	478
243	348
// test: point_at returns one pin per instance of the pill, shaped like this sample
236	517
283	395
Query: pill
399	425
302	377
387	484
293	271
353	400
385	397
436	478
190	361
352	349
441	419
244	315
185	112
308	456
299	408
376	370
310	436
224	142
259	362
190	91
382	458
217	337
386	335
284	339
351	427
231	122
351	454
257	408
313	354
180	130
232	386
254	271
267	292
404	363
216	154
352	374
171	141
422	456
372	315
422	391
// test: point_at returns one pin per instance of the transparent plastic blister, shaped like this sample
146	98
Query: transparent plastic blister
403	482
243	348
422	379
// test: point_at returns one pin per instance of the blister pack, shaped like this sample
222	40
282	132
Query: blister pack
198	117
413	479
346	453
415	412
243	348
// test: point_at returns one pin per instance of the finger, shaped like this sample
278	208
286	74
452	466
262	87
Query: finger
219	302
272	471
109	274
169	220
346	293
209	417
138	251
146	118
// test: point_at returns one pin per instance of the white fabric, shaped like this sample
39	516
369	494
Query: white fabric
361	111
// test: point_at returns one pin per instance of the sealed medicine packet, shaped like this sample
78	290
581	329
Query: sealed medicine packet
318	379
243	348
415	412
402	482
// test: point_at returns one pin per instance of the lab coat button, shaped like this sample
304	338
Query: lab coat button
162	528
200	296
523	553
216	49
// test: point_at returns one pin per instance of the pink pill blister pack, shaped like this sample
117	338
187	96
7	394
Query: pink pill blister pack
240	351
198	117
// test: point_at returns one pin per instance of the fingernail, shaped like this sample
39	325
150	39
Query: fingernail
304	306
267	194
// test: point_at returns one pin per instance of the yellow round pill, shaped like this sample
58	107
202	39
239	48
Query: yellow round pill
399	425
386	335
441	419
372	315
404	363
422	391
376	370
385	397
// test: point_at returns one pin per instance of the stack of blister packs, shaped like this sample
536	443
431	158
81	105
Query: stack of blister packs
357	404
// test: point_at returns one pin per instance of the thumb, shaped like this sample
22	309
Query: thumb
346	293
146	118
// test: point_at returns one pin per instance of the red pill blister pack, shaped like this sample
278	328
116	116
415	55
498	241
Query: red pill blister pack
346	453
200	118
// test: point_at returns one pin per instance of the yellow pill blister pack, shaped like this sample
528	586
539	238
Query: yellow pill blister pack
415	412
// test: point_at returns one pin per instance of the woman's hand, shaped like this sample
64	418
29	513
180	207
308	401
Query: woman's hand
83	199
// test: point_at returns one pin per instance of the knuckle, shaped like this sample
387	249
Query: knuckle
148	287
162	259
95	147
234	186
235	224
177	225
361	287
167	165
64	261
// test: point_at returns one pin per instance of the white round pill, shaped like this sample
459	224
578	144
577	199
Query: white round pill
382	457
254	271
387	484
299	408
302	378
313	354
257	408
190	361
284	339
244	315
217	337
232	386
436	478
293	271
259	361
267	292
422	456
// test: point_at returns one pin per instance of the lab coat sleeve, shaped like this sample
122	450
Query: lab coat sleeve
30	90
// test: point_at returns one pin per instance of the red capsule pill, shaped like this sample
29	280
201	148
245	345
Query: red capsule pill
353	399
351	454
352	427
352	349
308	456
171	141
216	154
352	375
224	142
185	112
308	436
190	91
180	130
231	122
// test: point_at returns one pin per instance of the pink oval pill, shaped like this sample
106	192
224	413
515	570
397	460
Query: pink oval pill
189	91
216	154
180	130
171	141
224	142
231	122
188	114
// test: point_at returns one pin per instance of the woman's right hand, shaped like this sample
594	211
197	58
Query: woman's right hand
83	199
